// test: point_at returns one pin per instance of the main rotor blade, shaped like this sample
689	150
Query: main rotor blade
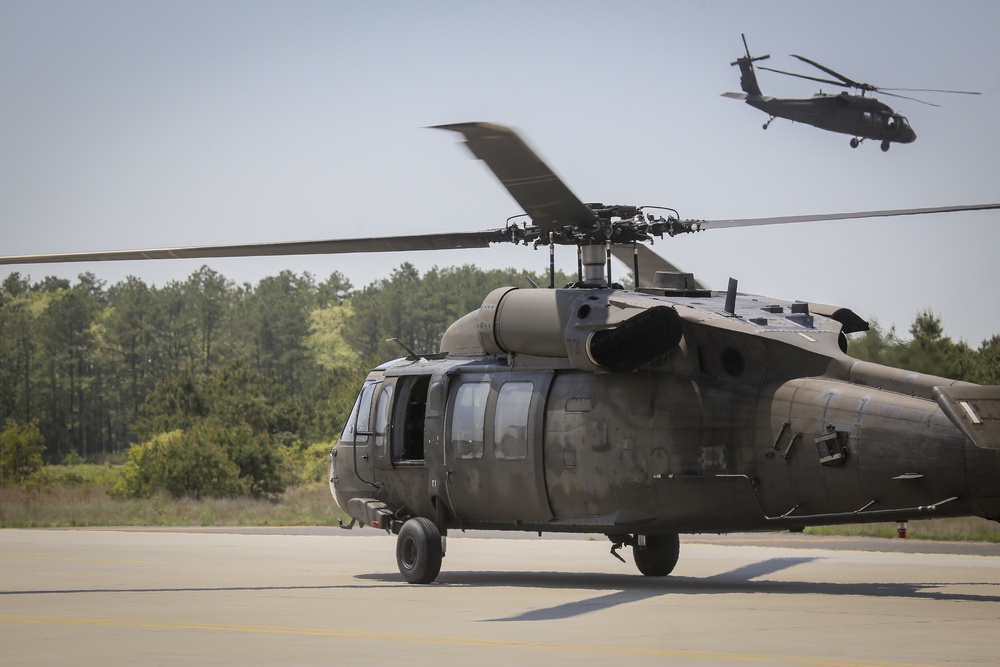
531	183
933	90
447	241
750	222
805	76
829	71
649	264
868	86
882	91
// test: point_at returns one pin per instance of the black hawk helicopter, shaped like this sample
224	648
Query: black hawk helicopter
857	115
636	414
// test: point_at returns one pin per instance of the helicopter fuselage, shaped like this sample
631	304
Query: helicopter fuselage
752	420
855	115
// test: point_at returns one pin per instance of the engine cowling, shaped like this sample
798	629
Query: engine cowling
586	327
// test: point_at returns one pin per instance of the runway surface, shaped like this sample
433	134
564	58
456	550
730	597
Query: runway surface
328	597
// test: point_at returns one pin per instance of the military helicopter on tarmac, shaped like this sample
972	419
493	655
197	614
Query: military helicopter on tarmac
637	414
857	115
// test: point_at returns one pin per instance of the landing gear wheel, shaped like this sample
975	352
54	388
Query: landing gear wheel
885	146
659	556
854	142
418	551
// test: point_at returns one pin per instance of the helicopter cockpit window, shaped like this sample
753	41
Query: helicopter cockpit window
382	409
468	420
510	424
359	421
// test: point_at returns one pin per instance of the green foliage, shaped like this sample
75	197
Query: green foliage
84	474
234	394
326	340
986	370
72	459
83	505
256	457
417	310
233	419
180	463
930	351
20	451
308	465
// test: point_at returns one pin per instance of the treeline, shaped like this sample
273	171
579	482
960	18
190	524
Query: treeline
929	350
82	360
96	368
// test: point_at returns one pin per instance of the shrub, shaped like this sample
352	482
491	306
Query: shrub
306	465
181	464
21	449
72	459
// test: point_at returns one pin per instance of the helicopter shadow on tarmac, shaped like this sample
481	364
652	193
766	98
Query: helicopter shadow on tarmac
619	589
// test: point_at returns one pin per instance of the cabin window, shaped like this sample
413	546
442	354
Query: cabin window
510	423
359	421
382	422
468	419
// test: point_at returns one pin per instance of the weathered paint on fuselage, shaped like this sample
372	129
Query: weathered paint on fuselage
754	421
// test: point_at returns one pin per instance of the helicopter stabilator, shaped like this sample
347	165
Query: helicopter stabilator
637	414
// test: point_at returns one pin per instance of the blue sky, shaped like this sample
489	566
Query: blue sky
131	125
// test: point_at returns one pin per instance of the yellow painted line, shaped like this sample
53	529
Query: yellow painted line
445	640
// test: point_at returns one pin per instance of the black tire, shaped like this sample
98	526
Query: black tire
418	551
659	556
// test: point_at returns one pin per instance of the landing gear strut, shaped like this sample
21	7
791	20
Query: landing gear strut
768	122
654	555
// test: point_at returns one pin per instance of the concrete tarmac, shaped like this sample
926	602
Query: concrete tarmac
148	597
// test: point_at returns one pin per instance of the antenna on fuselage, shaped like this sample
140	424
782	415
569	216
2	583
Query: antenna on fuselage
411	355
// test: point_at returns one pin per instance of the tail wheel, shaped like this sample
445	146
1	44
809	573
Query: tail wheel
418	551
658	556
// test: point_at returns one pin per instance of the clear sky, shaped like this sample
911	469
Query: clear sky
143	124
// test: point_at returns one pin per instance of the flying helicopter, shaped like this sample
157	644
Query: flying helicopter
636	414
861	116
